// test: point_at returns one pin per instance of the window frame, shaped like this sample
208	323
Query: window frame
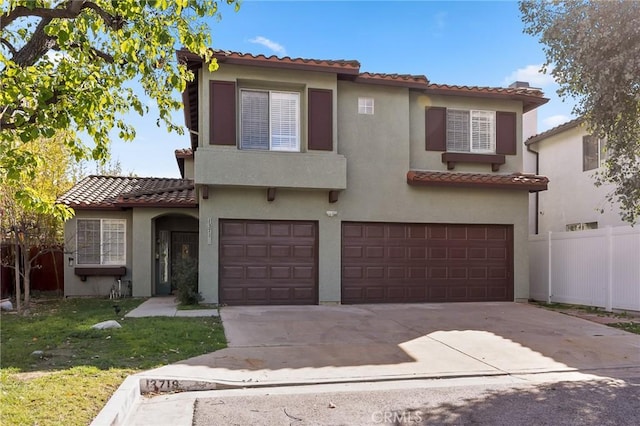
475	119
270	103
366	106
601	153
581	226
120	258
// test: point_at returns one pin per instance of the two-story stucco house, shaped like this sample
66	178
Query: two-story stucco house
570	157
309	181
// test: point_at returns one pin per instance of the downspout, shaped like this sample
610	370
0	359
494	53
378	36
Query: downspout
537	203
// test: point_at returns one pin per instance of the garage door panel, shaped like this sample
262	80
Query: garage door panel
257	272
232	250
302	272
374	252
232	272
495	233
268	262
374	272
257	250
303	252
426	262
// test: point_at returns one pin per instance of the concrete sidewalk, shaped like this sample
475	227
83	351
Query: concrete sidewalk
288	345
167	307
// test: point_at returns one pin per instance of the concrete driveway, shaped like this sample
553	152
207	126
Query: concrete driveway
322	344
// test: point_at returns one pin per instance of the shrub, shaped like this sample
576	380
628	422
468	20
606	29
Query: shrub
185	278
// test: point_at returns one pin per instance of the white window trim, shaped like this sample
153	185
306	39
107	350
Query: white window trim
366	106
476	113
601	147
297	118
119	262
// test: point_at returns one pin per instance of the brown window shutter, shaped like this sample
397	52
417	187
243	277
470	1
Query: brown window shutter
320	120
506	139
222	113
436	129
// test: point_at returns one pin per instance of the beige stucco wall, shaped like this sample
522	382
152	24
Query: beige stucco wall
226	165
379	150
430	160
572	196
93	286
144	247
140	251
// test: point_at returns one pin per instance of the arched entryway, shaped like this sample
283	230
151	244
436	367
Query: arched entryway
176	239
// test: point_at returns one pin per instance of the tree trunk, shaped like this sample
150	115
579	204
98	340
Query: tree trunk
16	264
26	277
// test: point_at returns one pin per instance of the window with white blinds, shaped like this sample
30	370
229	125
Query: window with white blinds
270	120
101	241
471	131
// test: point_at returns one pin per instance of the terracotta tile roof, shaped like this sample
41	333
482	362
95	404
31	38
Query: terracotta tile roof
555	130
184	153
482	89
350	70
340	66
529	182
406	80
115	192
530	97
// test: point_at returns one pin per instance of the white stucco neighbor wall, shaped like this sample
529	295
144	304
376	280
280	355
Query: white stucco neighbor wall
572	196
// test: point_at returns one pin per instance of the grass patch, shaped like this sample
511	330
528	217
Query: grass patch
199	306
81	367
631	327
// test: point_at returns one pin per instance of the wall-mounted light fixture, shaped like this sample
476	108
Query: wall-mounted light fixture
70	261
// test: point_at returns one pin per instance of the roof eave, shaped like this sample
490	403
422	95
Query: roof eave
529	102
554	131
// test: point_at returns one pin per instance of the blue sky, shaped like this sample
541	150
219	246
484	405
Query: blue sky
475	43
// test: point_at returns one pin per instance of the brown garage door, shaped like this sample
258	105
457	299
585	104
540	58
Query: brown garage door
401	262
268	262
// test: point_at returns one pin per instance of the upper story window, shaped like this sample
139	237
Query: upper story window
269	120
101	241
593	152
582	226
471	136
471	131
365	106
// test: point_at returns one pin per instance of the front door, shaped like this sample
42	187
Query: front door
184	245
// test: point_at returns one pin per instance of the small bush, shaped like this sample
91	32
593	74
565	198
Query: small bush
185	278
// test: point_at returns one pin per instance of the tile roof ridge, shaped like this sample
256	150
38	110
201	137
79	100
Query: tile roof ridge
262	56
522	90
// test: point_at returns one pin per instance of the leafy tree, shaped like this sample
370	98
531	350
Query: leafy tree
39	224
72	64
593	51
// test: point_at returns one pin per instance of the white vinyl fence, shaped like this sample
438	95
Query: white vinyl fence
599	267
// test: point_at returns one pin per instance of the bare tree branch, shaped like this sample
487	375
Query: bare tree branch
71	11
9	46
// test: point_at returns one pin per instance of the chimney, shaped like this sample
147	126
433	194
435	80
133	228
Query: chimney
519	84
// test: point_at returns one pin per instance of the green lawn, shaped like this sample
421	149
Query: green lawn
81	367
627	322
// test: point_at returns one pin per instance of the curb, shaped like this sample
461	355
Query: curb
120	405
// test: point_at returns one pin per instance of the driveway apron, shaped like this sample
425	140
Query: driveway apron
274	345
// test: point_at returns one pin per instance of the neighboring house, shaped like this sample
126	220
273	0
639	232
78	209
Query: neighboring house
570	158
311	182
